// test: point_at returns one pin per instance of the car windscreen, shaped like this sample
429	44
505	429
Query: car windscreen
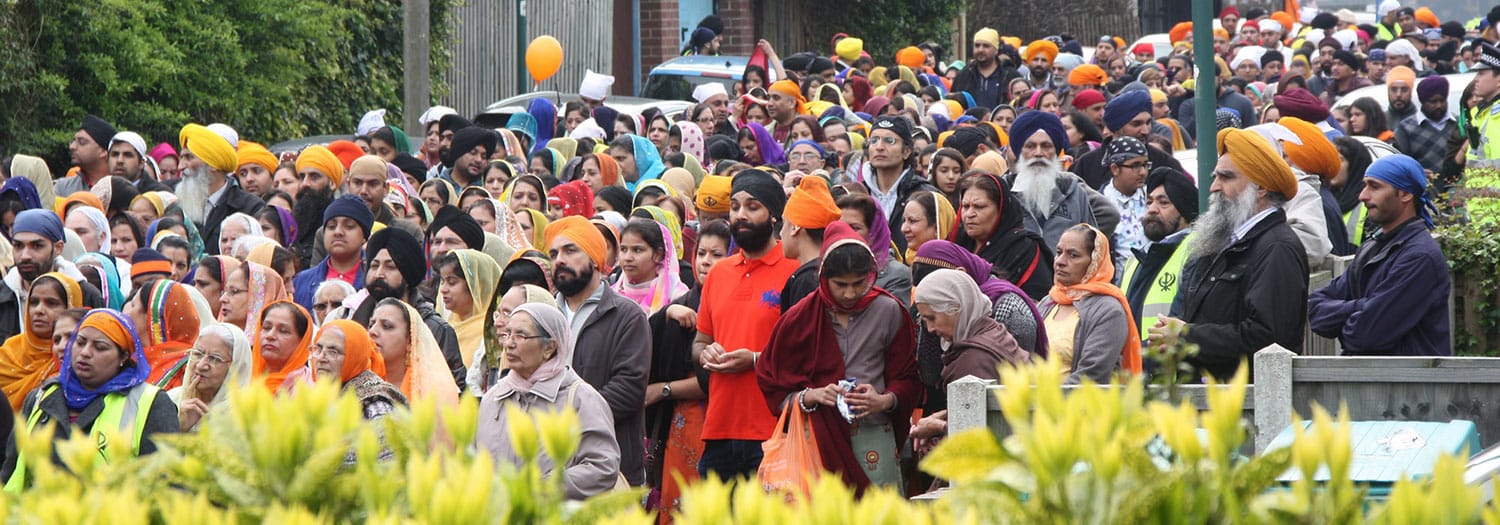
678	87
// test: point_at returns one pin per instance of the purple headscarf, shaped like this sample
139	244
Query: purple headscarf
770	151
288	226
944	254
880	237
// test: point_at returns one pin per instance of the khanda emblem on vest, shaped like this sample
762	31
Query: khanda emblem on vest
1166	281
103	443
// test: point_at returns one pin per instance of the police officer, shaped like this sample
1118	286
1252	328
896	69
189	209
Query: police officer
1483	127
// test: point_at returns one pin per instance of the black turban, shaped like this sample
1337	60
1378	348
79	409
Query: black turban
461	224
405	250
466	139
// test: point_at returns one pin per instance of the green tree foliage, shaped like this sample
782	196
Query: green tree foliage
885	25
273	69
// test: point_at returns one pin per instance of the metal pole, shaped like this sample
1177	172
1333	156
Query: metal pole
523	79
416	57
1206	96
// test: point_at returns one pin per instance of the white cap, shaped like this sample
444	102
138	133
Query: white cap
595	85
1386	7
133	139
434	114
708	90
373	120
229	134
1276	134
1271	25
1346	38
587	129
1247	54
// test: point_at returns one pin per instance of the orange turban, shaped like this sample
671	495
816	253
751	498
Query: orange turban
1402	74
578	229
252	153
1088	75
114	330
790	89
1220	32
811	205
1045	48
360	353
1316	154
1180	32
323	160
1255	157
1426	16
911	57
1286	20
209	146
1012	41
346	151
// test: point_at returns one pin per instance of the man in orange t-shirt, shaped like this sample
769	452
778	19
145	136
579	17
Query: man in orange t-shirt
741	302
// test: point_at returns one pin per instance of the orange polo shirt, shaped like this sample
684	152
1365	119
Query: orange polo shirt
741	303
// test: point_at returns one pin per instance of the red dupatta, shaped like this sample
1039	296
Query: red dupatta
804	352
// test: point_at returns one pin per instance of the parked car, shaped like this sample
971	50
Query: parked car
676	79
296	145
1456	84
498	113
1161	44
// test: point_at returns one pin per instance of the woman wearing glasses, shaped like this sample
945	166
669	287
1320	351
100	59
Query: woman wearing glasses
537	353
220	358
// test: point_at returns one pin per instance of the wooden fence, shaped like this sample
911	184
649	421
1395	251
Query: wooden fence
487	56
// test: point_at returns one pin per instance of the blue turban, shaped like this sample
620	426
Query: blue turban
1125	106
41	222
1405	174
1030	122
605	117
821	151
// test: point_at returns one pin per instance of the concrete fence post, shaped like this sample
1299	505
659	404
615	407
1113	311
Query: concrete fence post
967	404
1273	393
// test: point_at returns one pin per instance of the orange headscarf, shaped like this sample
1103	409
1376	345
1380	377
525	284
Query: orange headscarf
609	170
1101	272
266	287
172	331
79	197
26	358
359	350
294	362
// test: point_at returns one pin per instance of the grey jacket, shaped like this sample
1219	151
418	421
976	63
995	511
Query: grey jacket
613	354
594	468
1101	334
1074	203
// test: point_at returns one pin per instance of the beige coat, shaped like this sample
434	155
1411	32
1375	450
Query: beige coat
594	468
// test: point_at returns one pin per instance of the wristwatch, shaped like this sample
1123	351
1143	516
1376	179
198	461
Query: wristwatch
666	390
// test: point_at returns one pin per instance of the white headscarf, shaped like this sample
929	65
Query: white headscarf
252	226
954	292
100	223
554	325
240	364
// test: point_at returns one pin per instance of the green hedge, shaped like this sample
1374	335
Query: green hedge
273	69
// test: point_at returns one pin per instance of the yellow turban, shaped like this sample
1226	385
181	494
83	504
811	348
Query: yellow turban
1012	41
1158	96
323	160
849	49
713	194
209	146
1316	154
955	109
1043	47
1257	160
877	77
253	153
988	35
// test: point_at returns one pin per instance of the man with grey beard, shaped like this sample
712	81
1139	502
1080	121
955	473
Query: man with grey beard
1055	200
1245	282
206	192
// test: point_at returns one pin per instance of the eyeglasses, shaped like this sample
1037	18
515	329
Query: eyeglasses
887	140
519	337
804	155
214	359
1137	166
325	306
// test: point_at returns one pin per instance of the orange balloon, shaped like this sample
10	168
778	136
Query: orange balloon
543	57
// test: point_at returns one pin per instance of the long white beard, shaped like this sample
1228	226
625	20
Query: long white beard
1213	230
192	193
1036	184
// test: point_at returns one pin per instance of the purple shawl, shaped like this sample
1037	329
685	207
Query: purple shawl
880	237
770	150
945	254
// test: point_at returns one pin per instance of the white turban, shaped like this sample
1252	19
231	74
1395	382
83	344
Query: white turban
595	85
708	90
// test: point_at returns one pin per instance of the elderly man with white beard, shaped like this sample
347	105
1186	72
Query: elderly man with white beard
1055	200
206	192
1245	282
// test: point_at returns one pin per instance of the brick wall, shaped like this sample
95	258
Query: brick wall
659	38
740	24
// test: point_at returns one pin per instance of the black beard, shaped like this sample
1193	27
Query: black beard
574	282
308	211
379	289
756	238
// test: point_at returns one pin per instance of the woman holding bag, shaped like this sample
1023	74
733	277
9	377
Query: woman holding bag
849	330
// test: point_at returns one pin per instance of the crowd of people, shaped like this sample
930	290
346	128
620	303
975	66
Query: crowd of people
840	235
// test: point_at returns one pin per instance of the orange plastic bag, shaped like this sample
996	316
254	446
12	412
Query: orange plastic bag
791	461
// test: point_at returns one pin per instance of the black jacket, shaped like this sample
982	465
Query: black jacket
10	313
988	92
234	200
909	185
1247	297
1094	173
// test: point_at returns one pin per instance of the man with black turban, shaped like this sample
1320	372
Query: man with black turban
1152	274
468	156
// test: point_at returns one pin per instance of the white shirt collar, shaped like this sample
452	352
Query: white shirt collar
1422	119
1244	229
1114	193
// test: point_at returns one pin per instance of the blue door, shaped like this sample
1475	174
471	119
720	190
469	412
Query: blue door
689	13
